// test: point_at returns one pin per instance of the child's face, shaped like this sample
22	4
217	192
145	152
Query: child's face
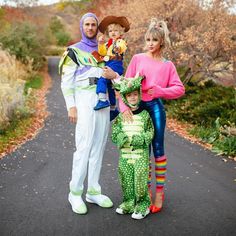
113	31
153	44
132	98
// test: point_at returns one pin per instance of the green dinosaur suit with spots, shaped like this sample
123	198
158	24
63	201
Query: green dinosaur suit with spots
133	140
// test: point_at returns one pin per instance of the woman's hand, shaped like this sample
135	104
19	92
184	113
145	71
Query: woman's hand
108	73
72	114
150	92
127	116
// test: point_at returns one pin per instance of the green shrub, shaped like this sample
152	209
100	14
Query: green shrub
58	31
209	107
225	146
62	38
202	105
22	41
222	143
35	82
55	25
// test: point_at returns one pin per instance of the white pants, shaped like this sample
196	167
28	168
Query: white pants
90	137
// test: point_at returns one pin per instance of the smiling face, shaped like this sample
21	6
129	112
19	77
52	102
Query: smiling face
133	97
114	31
90	27
153	43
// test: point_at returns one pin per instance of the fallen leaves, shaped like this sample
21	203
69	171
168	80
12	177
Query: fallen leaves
182	130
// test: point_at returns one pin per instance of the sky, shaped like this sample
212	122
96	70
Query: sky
43	2
47	2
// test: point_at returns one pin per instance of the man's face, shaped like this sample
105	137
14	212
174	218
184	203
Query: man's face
90	27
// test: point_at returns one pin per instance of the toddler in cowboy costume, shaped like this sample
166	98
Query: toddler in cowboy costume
133	140
112	53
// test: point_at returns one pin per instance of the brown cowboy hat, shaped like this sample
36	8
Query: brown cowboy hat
121	20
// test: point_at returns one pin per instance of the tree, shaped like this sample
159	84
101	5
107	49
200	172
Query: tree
201	32
55	25
58	31
22	41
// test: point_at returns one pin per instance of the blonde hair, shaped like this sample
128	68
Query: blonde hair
116	26
158	29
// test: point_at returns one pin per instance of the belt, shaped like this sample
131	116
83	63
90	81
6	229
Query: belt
90	84
93	80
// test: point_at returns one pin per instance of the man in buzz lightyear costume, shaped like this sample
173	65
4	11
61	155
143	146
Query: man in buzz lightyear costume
79	72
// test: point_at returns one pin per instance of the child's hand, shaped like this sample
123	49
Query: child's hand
137	141
122	139
101	39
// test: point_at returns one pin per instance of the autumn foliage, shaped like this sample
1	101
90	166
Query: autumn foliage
203	35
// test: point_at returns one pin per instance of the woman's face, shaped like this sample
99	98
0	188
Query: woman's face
153	44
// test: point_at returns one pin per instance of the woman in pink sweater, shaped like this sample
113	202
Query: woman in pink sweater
161	81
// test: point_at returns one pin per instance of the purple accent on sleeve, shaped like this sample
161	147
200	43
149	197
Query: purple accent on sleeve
82	70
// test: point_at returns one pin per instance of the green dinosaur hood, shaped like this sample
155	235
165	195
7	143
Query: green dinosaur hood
128	85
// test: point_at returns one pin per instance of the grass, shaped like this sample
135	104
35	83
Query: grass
16	130
35	82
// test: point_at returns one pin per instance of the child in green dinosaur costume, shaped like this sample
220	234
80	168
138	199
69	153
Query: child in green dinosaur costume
133	140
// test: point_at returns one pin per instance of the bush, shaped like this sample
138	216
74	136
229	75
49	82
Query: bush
210	108
202	105
22	41
225	146
55	25
62	38
58	32
223	143
12	75
34	81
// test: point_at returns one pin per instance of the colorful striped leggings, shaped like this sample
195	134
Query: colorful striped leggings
158	115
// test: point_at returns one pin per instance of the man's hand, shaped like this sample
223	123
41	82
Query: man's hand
72	114
108	73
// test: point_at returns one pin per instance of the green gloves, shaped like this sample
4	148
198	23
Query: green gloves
121	139
137	141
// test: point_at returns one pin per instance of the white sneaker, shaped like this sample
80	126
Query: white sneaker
139	216
77	204
99	199
120	211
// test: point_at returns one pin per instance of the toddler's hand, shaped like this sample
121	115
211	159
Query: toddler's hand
101	39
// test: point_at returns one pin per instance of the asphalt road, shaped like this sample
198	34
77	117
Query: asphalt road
200	191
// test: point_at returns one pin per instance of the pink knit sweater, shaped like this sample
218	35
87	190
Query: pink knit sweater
161	76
